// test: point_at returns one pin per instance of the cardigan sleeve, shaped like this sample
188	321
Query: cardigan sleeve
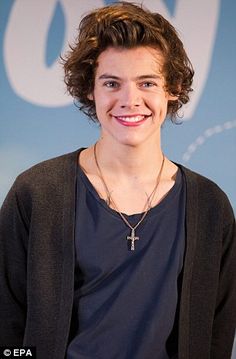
13	269
223	330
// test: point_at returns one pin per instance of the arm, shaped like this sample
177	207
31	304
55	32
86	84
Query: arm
225	314
13	269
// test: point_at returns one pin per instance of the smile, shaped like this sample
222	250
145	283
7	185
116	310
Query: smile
133	120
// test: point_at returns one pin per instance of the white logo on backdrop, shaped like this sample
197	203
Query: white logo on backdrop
26	36
25	44
205	136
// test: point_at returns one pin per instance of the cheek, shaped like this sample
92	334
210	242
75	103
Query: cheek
159	108
104	102
102	107
158	104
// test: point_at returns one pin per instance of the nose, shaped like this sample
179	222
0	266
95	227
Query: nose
130	96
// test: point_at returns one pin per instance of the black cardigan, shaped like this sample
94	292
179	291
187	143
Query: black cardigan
37	223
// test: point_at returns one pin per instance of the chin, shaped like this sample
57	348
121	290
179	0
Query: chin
132	142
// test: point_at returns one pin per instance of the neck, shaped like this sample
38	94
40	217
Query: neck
130	161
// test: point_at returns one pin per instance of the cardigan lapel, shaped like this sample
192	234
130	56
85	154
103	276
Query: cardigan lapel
191	223
68	255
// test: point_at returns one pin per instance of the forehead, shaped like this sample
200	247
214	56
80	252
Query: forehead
136	61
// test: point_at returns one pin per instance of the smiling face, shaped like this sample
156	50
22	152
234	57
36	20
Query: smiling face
130	96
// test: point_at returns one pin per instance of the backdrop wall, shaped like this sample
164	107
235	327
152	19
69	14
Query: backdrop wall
39	121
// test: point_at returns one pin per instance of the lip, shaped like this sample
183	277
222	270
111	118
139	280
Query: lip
122	119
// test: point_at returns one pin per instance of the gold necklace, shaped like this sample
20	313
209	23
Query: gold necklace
148	204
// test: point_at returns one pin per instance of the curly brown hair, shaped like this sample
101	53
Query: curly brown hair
126	25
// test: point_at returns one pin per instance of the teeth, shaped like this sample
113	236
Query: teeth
130	119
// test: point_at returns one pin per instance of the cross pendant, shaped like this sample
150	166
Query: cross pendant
132	238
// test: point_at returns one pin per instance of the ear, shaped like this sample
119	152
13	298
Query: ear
90	96
172	97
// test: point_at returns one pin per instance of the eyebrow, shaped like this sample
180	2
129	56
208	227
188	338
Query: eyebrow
142	77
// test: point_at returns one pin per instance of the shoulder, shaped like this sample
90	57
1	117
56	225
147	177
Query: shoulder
48	171
44	182
203	183
209	196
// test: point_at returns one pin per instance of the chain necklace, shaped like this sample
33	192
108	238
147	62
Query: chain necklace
148	203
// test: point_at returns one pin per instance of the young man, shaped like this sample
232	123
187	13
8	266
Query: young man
114	251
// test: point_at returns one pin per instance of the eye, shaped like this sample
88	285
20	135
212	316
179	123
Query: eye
111	84
148	84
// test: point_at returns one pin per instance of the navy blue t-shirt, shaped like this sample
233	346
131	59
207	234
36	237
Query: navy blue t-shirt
125	302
